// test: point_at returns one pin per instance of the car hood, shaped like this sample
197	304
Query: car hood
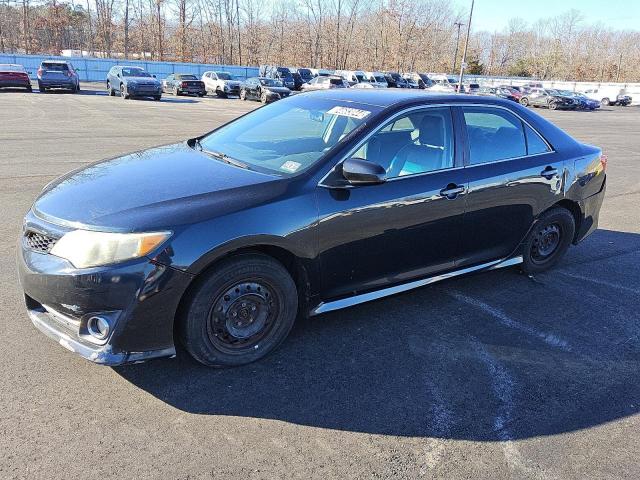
142	80
231	83
162	187
277	89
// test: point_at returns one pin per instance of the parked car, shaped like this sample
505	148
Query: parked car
184	84
325	83
501	92
14	76
58	74
549	98
263	89
133	82
221	241
305	74
443	83
582	101
322	72
278	73
377	79
221	84
353	77
297	81
608	96
395	80
420	79
516	92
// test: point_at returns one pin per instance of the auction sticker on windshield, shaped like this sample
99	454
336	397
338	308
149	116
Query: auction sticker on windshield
290	166
349	112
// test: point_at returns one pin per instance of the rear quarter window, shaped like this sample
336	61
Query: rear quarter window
494	135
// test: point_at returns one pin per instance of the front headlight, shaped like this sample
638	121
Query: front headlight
85	248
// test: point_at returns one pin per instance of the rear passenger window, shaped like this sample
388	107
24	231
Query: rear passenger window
493	135
535	144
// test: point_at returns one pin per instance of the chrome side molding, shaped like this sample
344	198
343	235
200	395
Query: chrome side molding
325	307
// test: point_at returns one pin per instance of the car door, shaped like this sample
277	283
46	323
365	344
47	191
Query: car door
406	228
512	175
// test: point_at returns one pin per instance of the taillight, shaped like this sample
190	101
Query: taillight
603	162
184	84
40	71
69	74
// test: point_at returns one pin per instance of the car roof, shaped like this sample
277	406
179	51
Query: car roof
56	61
399	96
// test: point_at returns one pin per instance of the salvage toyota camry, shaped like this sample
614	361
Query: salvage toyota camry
318	202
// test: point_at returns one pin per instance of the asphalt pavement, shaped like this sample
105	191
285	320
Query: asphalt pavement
491	376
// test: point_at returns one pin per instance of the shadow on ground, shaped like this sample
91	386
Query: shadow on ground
492	356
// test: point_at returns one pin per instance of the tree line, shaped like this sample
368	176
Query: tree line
401	35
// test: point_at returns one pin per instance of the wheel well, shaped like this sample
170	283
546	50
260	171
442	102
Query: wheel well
284	256
574	209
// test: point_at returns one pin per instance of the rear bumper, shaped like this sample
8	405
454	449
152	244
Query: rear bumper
591	213
15	84
67	84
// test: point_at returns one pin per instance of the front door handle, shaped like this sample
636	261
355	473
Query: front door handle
549	173
451	191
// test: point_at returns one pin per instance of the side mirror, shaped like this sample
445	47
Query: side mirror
153	76
358	171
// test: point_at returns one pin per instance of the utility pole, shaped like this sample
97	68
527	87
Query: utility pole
466	44
455	55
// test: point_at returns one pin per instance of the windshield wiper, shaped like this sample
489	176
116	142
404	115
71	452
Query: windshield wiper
223	156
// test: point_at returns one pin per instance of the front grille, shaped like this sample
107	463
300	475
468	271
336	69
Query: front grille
39	242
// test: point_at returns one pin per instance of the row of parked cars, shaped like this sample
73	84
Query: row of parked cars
275	82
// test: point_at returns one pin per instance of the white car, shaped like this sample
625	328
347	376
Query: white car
608	96
221	83
376	79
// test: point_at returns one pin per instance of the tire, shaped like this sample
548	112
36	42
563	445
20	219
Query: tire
123	92
243	94
553	106
605	102
157	98
29	89
176	92
263	97
201	95
239	312
548	240
78	87
524	101
41	88
112	92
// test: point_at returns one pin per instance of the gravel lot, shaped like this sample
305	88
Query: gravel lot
494	376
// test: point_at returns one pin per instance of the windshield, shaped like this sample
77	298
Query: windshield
288	136
380	79
551	91
304	72
186	77
11	68
134	72
361	78
270	82
284	72
223	76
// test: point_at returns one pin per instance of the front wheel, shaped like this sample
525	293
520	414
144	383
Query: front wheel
239	312
176	92
548	241
524	101
605	102
553	106
123	92
112	92
243	94
263	97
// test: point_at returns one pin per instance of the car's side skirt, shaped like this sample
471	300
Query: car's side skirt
324	307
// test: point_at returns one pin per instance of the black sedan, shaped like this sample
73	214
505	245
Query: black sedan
263	89
184	84
314	203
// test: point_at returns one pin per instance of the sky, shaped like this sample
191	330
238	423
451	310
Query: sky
494	15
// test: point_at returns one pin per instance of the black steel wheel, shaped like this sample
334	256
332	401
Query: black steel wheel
239	312
548	240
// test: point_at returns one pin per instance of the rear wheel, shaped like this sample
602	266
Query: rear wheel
243	94
548	241
29	89
112	92
605	102
524	101
157	98
239	312
553	106
123	91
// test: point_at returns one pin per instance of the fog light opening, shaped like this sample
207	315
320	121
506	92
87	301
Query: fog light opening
98	327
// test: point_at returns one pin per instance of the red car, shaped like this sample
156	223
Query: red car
14	76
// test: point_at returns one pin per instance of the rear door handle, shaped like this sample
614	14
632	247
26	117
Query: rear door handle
549	173
451	191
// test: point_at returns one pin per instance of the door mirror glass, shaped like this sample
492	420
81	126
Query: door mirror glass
358	171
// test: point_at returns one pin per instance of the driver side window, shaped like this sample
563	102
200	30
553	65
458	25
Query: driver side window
414	143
